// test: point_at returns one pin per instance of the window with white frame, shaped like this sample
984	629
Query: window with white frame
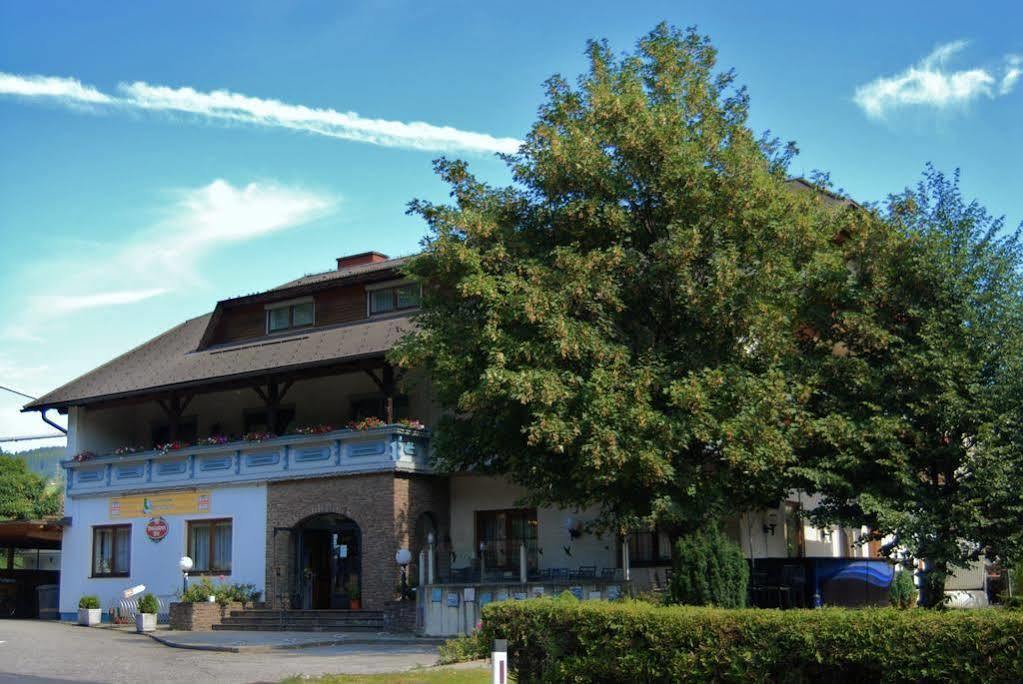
290	315
393	298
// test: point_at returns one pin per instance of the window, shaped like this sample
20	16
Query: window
188	429
111	551
375	406
502	533
287	316
794	546
649	547
394	298
256	420
209	545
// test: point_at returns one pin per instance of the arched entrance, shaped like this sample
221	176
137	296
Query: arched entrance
329	561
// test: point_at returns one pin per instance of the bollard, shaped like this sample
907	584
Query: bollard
499	657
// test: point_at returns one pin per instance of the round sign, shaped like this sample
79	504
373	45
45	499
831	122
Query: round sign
156	529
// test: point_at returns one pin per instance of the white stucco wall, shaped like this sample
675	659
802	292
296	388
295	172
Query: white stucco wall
155	564
471	493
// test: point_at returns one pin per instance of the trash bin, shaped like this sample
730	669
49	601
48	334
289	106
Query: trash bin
49	606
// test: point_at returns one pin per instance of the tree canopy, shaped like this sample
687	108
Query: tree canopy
23	494
613	328
654	320
915	429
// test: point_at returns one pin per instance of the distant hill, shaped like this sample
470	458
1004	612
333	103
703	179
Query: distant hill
44	461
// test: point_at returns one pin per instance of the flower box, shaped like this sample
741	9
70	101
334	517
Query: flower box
145	622
87	617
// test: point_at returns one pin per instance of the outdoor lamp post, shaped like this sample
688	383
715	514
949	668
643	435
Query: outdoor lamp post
430	568
402	558
185	564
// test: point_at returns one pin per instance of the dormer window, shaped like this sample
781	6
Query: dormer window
287	315
392	297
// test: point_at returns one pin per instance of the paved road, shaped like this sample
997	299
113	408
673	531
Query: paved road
35	652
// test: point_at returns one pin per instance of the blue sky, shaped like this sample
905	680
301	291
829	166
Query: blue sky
155	158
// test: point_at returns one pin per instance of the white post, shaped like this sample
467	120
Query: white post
499	657
522	563
422	570
625	559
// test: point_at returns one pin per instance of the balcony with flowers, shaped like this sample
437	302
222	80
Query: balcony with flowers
367	445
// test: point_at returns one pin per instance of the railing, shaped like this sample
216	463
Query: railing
390	447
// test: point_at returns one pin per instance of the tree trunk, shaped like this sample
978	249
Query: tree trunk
932	584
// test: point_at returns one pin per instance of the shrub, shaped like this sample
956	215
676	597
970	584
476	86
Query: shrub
464	649
149	604
198	592
593	641
90	601
710	570
902	592
221	593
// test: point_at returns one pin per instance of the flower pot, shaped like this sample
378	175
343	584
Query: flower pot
145	622
90	616
355	604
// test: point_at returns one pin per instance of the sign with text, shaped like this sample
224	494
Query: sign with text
157	504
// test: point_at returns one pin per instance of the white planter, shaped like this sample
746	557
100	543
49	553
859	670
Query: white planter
145	622
88	617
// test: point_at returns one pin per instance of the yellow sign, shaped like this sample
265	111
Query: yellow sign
166	503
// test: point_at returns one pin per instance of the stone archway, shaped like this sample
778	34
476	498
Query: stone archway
327	564
366	500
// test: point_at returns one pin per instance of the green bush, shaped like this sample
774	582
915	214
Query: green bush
223	594
464	649
902	592
149	604
592	641
90	601
710	570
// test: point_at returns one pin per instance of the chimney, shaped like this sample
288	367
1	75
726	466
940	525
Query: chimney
360	259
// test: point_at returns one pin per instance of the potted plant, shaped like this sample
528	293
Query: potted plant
354	594
145	620
89	612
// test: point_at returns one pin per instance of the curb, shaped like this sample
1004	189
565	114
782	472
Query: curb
356	641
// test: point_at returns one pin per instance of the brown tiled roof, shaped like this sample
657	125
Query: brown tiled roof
342	273
171	361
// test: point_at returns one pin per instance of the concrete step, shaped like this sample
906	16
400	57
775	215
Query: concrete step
300	623
307	613
333	629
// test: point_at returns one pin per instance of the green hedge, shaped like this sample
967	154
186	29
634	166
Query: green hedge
556	640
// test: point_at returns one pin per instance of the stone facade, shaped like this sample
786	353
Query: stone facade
400	616
385	506
199	617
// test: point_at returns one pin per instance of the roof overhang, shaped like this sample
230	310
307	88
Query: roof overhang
351	364
31	533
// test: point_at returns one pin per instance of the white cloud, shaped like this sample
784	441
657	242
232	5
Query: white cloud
59	305
165	256
1013	71
223	105
64	89
930	83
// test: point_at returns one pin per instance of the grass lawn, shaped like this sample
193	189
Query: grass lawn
475	675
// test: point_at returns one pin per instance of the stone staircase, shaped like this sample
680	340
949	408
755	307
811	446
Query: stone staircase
267	620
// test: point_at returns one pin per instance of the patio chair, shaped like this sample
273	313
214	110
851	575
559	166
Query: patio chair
587	571
608	573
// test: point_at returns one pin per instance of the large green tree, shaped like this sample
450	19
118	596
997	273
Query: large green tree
914	427
616	327
23	494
